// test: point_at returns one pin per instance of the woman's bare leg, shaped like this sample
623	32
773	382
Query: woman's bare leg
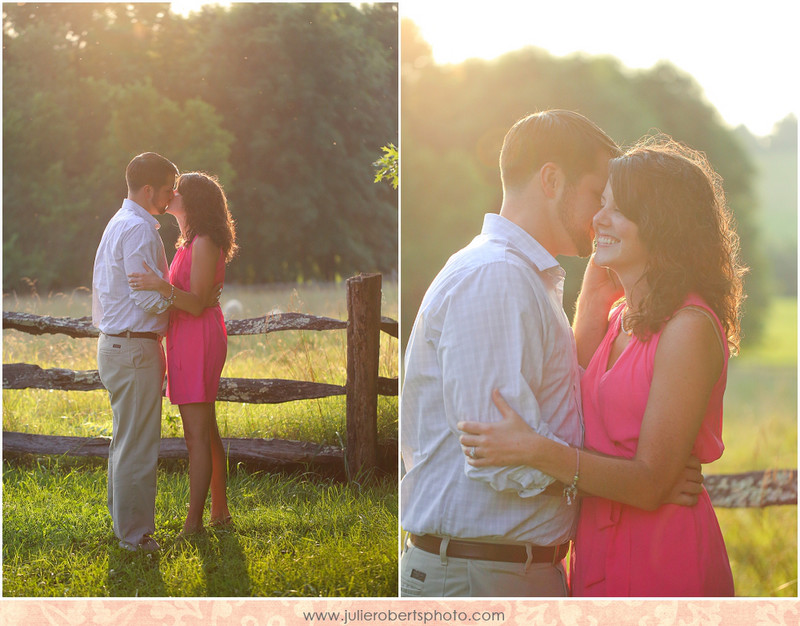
219	477
197	420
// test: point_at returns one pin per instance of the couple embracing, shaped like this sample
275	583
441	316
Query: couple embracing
136	302
522	435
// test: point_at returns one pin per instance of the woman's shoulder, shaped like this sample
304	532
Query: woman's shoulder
695	322
694	304
694	299
204	244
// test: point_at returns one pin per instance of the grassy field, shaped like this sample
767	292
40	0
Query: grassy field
303	536
295	535
760	432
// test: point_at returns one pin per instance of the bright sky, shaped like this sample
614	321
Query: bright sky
743	55
184	7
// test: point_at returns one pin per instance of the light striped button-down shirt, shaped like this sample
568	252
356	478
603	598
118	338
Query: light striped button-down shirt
492	318
130	238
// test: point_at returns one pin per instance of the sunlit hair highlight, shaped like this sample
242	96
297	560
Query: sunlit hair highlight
674	196
206	212
563	137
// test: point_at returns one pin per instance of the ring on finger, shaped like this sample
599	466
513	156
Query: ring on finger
472	453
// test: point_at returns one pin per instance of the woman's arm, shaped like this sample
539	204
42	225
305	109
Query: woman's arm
205	254
688	363
599	290
201	282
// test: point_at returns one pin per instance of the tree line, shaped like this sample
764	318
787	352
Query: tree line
288	104
775	158
455	118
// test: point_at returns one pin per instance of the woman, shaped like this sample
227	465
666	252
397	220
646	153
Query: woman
196	339
652	392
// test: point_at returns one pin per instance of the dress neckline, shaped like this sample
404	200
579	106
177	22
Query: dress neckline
612	339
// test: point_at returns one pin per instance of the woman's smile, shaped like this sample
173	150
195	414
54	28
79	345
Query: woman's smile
604	240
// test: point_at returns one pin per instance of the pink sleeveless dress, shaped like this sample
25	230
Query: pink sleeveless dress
621	550
196	346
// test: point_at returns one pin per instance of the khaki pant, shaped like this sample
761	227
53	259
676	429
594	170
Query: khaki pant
133	372
431	575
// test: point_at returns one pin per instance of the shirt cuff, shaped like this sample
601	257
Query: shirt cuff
525	481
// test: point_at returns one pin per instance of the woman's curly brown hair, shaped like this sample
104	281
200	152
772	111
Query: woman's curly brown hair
206	212
673	195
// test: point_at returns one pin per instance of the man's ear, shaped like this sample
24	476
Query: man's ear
552	179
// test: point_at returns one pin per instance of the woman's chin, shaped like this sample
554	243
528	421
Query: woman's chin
603	260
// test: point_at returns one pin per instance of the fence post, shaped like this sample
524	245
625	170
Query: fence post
363	351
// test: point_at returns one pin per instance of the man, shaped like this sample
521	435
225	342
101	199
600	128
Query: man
494	318
130	357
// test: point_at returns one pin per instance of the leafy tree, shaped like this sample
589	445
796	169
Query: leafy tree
465	109
784	135
775	158
286	103
304	144
387	166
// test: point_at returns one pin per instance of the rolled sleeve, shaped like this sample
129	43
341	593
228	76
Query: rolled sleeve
495	341
143	245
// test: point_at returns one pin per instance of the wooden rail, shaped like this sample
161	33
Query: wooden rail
752	489
274	322
363	386
268	454
251	390
749	489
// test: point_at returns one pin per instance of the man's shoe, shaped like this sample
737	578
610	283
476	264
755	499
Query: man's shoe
147	544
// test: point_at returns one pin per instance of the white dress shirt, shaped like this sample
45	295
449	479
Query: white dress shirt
492	318
130	238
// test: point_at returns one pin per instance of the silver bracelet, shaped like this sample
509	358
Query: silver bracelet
171	298
571	491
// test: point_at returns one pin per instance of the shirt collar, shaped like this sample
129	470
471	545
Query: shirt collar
494	224
140	211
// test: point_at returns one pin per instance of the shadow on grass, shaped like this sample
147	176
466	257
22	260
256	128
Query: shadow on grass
225	569
295	535
134	574
217	557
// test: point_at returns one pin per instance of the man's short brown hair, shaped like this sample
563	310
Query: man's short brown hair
148	168
563	137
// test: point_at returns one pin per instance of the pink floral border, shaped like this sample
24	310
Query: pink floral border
273	612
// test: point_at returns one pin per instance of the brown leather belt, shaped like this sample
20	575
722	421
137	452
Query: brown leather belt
128	334
509	553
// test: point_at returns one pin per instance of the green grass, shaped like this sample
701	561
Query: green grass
760	432
295	535
778	346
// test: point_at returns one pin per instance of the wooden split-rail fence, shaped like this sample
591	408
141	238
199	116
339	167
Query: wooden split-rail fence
361	452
